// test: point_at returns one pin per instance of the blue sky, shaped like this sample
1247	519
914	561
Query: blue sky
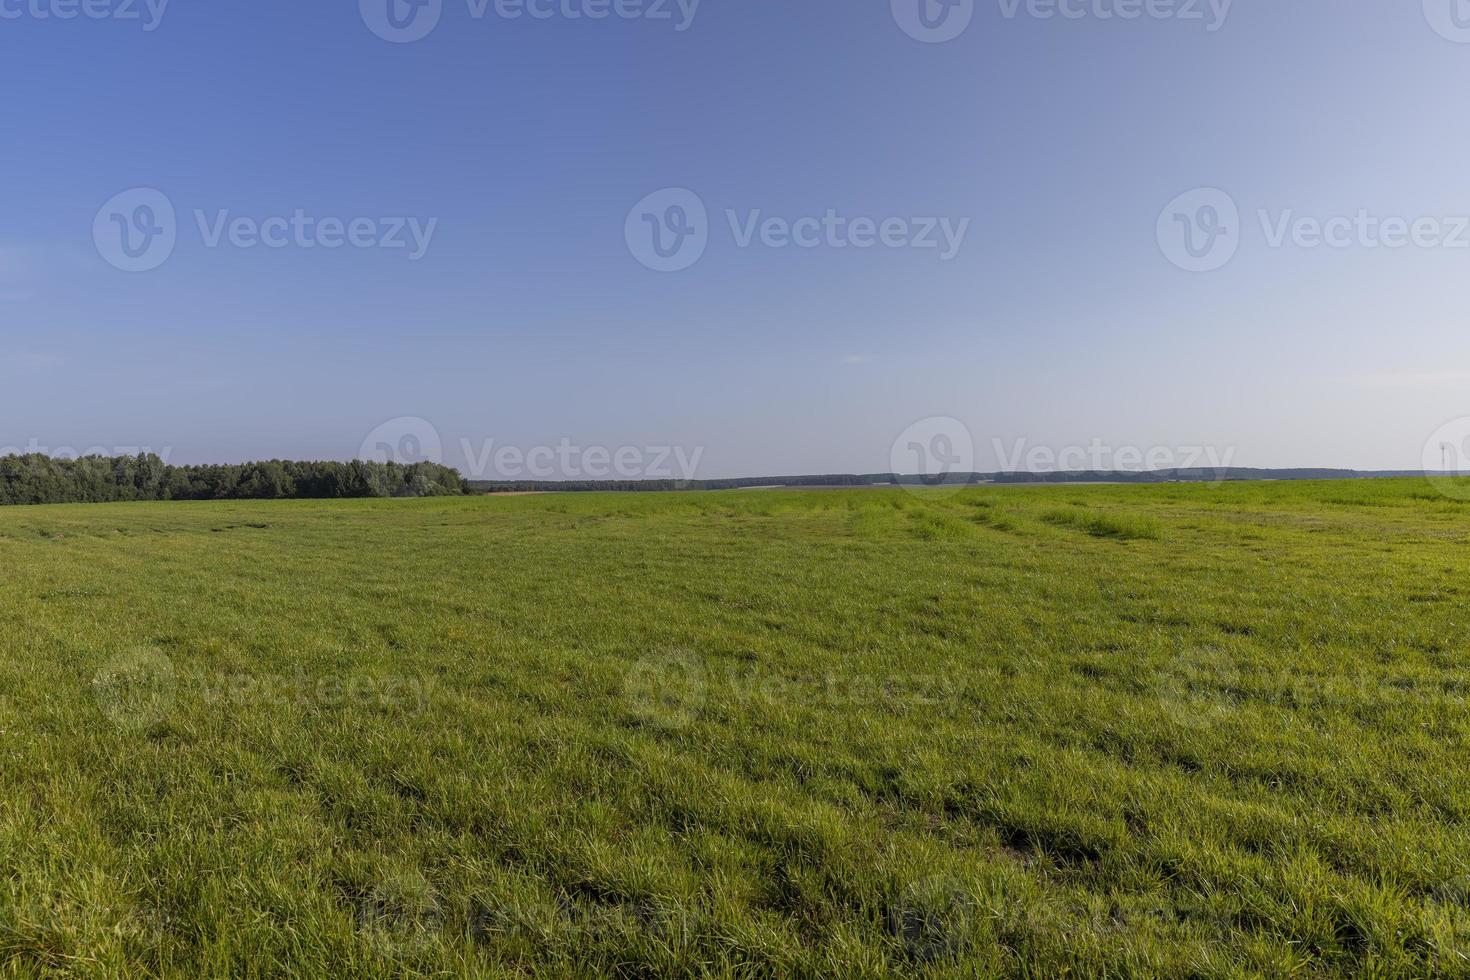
528	320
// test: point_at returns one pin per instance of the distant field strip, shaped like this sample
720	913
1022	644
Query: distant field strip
1175	731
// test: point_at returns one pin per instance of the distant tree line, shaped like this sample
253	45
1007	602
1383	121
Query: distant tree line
1193	475
603	486
41	479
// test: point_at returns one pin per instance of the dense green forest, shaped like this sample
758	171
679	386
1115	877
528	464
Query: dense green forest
40	479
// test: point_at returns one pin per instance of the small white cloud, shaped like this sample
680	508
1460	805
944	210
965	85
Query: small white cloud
856	359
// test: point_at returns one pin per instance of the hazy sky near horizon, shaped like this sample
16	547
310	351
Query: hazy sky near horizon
1055	163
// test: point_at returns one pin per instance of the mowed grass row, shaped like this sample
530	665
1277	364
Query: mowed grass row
1142	731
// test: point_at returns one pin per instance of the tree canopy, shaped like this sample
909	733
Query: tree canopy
41	479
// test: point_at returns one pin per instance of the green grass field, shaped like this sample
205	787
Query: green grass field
1129	731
